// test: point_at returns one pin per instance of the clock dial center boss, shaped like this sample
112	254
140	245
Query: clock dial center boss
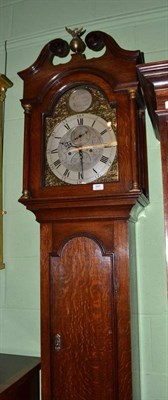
81	148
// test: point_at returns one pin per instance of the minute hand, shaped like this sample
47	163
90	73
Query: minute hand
95	146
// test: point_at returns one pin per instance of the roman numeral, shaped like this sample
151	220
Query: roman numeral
54	151
80	121
57	163
103	132
67	126
104	159
66	172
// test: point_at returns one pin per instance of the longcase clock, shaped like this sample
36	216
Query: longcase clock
84	169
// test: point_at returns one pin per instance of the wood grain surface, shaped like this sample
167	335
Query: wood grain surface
82	313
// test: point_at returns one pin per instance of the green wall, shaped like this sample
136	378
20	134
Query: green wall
25	26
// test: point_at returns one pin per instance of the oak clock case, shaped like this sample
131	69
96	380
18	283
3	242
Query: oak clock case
85	167
81	144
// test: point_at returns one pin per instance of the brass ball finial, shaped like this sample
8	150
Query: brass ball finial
77	45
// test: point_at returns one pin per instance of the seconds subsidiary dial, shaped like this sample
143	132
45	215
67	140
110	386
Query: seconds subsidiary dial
80	100
81	148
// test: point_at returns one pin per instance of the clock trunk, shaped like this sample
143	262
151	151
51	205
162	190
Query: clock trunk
86	323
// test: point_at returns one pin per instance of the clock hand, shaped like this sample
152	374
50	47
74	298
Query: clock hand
95	146
81	160
80	135
70	144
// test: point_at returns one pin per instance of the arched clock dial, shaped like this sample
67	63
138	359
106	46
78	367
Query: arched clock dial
81	148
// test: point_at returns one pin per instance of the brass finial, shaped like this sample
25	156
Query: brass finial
76	45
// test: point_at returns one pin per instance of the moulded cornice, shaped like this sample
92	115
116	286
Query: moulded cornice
154	81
